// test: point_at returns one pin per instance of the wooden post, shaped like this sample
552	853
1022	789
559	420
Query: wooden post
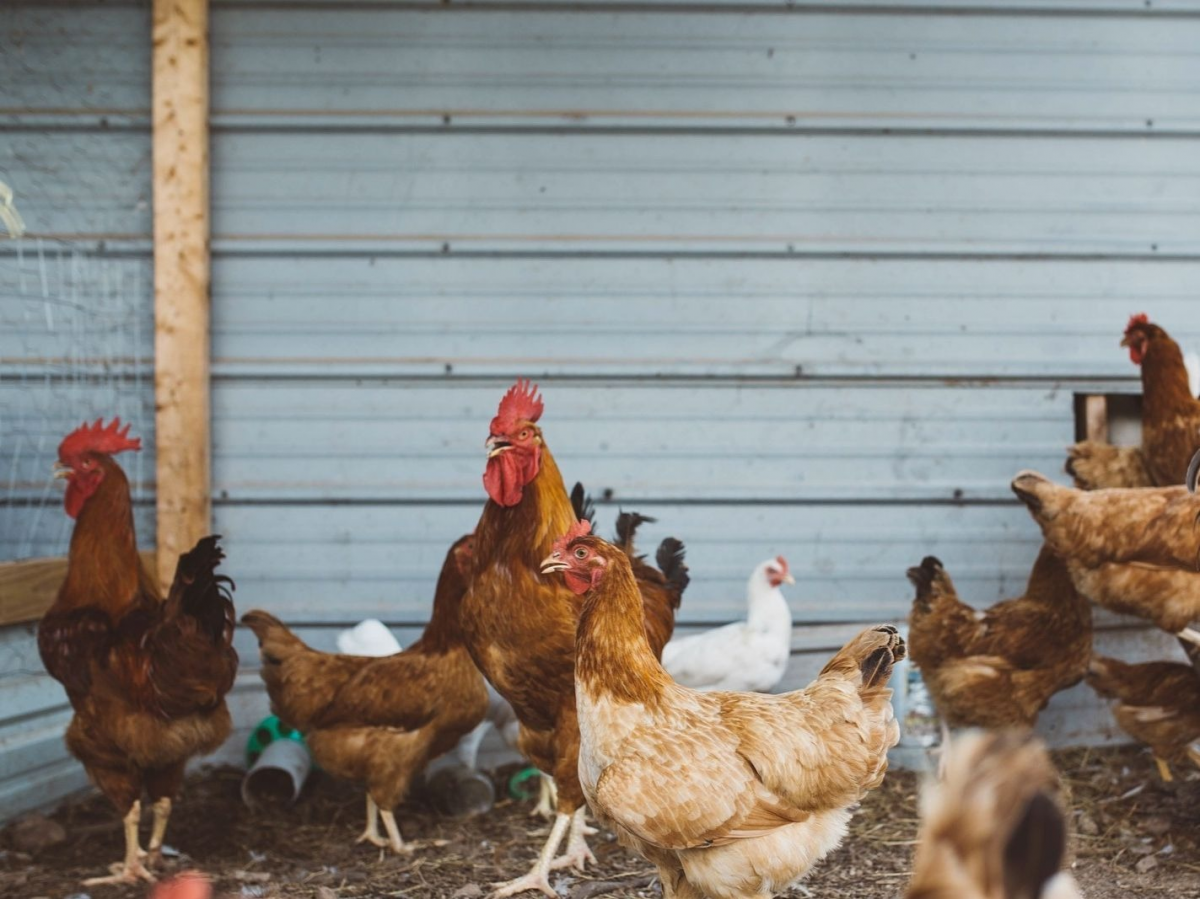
1095	413
181	277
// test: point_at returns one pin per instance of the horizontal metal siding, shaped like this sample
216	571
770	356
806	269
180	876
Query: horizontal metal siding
76	326
809	280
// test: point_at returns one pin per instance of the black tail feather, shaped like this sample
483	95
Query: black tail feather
627	525
582	504
202	593
670	559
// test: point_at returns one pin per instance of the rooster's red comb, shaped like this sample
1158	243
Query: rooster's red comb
521	403
782	563
1134	320
581	528
96	438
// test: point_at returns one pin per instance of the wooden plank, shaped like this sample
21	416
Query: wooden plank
28	587
1095	411
181	275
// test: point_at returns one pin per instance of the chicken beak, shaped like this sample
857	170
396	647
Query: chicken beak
495	446
1126	341
62	471
788	579
553	563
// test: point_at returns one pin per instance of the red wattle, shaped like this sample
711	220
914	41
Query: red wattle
577	582
507	475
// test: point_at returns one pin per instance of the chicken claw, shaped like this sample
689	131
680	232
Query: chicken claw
132	869
371	834
539	877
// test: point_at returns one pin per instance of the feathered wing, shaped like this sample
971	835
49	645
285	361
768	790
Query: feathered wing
1098	466
756	762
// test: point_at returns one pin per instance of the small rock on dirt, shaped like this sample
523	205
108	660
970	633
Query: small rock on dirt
326	893
1146	864
1087	826
36	833
470	891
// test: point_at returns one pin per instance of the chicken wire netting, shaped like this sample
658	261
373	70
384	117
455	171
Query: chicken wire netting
76	343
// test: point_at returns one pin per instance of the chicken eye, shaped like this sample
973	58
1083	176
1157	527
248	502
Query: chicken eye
581	553
524	435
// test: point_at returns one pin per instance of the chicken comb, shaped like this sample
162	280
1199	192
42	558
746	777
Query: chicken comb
96	438
521	403
581	528
782	563
1134	320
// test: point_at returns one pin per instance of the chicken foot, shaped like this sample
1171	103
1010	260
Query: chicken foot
371	834
539	877
578	854
130	870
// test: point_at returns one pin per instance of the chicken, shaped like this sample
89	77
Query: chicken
379	720
999	667
1157	703
1130	551
729	795
993	827
750	655
147	678
662	587
520	626
1170	420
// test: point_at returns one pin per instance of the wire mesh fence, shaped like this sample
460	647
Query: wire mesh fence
76	344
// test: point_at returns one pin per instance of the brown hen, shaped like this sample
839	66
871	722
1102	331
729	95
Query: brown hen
729	795
379	720
993	827
999	667
1170	421
1157	703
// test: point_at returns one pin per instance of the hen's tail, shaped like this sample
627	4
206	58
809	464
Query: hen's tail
275	642
1110	678
869	657
1097	466
931	581
993	826
670	559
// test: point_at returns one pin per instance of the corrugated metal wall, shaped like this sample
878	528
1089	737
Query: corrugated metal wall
809	279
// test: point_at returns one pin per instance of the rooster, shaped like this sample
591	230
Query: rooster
147	678
750	655
379	720
1170	420
993	827
999	667
1130	551
520	626
729	795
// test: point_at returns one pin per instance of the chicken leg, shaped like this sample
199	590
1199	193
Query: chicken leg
132	868
371	834
162	814
547	798
578	854
539	877
1164	770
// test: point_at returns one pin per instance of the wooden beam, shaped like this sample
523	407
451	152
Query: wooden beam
1095	414
181	277
28	587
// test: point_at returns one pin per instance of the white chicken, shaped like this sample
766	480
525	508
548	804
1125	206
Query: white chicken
745	656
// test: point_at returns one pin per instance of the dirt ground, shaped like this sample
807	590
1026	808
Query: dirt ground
1135	837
